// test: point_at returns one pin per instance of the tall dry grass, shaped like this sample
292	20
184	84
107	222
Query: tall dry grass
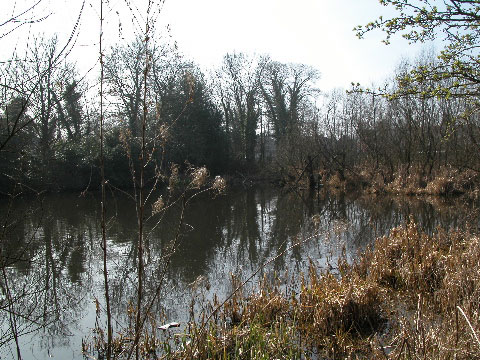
409	296
445	181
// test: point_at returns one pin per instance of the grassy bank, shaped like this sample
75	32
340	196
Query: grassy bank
446	181
411	295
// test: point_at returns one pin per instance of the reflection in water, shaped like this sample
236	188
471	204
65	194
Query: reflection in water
52	256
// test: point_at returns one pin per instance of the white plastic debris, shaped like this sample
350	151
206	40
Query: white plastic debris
170	325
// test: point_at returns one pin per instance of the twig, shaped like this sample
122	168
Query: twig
103	207
474	334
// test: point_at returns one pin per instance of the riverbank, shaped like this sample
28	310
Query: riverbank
410	295
445	181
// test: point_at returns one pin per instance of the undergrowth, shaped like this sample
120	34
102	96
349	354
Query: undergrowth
445	181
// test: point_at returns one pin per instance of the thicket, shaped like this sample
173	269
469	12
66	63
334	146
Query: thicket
50	139
406	144
253	116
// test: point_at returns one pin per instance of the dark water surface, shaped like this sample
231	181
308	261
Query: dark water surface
54	258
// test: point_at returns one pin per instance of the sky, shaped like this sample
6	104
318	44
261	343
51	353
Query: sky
318	33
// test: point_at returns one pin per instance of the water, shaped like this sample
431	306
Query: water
54	259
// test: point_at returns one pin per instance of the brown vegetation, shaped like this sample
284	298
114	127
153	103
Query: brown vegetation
447	181
411	295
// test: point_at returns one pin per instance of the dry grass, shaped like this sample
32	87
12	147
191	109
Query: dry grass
336	314
426	278
453	181
444	181
410	296
401	299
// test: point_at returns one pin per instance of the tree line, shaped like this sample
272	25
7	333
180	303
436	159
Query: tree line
227	121
251	115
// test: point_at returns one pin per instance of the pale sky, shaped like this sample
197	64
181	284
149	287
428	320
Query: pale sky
314	32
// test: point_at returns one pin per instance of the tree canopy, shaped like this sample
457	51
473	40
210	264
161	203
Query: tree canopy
456	71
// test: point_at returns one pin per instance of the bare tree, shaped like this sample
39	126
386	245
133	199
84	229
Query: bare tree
239	96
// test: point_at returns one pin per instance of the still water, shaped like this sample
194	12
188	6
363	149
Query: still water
53	258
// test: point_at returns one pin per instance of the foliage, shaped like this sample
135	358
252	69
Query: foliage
198	136
456	71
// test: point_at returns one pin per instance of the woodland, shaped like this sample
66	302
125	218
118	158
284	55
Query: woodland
253	117
153	126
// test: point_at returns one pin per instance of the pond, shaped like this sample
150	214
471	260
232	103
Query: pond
53	256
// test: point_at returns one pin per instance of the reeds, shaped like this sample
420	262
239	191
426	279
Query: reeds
444	181
409	296
400	299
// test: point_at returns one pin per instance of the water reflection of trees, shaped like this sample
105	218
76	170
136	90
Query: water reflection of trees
44	252
51	253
